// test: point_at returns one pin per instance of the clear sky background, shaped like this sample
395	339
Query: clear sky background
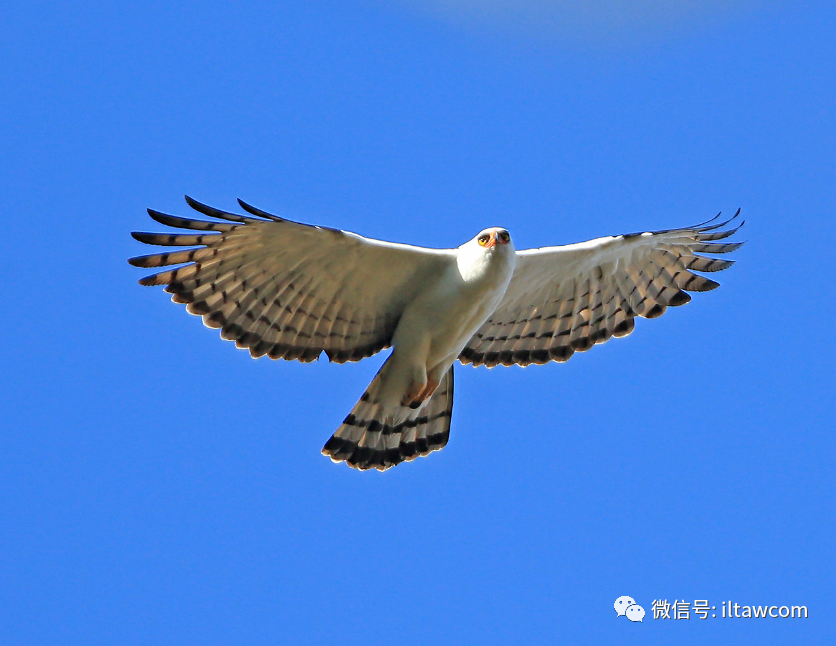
158	486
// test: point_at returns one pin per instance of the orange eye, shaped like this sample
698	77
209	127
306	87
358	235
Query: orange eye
505	237
483	240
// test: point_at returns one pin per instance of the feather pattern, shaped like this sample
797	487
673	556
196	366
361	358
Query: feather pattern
292	291
374	437
288	290
563	300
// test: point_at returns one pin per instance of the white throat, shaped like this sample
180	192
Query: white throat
477	264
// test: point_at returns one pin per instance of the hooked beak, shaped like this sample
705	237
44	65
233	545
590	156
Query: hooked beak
492	240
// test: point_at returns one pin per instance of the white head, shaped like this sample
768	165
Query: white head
490	241
492	247
494	237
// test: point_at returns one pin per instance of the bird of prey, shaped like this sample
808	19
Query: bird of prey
293	291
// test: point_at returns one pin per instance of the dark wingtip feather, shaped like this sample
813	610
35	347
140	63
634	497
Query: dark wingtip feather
713	227
156	215
200	207
168	220
709	221
249	208
703	227
137	261
185	223
211	211
705	236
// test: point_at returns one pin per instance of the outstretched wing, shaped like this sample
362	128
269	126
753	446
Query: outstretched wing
289	290
566	299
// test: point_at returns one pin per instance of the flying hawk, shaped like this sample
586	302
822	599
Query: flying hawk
293	291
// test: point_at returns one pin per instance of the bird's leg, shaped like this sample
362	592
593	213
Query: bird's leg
415	401
434	376
412	396
417	386
428	391
419	393
429	387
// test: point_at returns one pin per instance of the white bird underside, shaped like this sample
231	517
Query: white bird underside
293	291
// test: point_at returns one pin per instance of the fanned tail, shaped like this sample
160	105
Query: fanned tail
372	437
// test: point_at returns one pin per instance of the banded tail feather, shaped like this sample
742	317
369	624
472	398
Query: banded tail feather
372	437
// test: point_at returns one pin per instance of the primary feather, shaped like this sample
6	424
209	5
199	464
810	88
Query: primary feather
567	299
289	290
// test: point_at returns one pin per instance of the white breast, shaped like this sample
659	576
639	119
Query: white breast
450	311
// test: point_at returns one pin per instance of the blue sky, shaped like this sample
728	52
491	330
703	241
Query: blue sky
158	486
